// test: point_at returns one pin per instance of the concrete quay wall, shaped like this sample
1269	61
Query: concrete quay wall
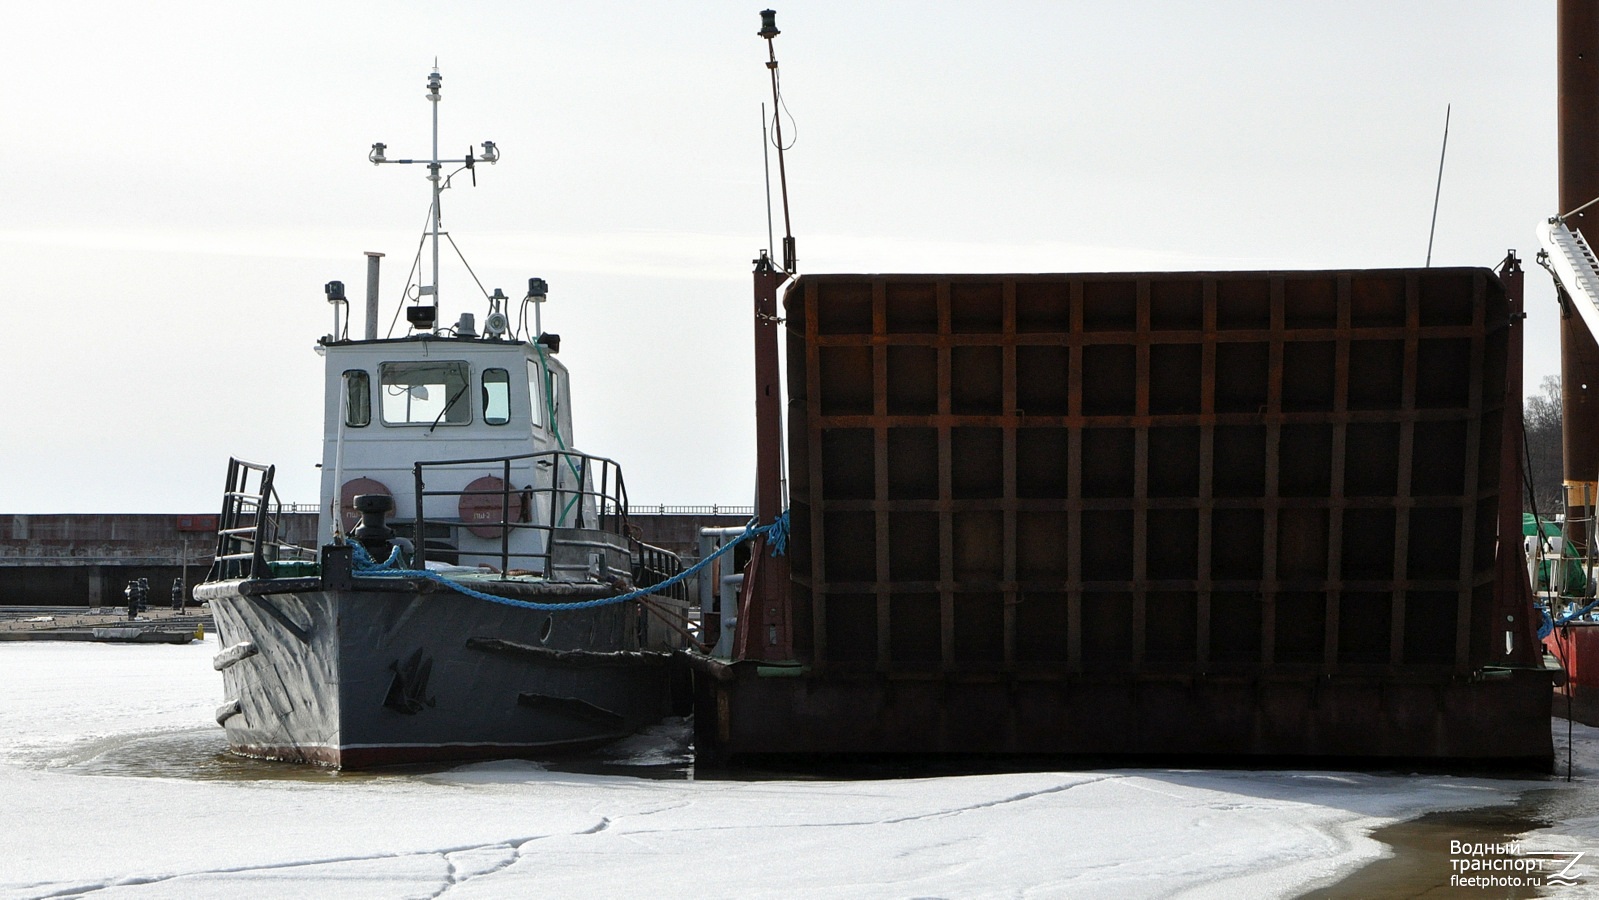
87	559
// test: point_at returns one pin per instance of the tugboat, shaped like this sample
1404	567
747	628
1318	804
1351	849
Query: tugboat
502	612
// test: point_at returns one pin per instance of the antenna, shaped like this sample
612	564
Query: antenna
1438	191
766	169
769	31
491	154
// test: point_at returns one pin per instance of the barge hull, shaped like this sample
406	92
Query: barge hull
1576	646
1210	513
1379	721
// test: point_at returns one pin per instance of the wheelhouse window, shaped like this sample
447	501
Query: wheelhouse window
496	396
428	392
555	388
536	390
357	398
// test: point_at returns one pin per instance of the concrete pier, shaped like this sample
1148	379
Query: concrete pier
87	559
107	623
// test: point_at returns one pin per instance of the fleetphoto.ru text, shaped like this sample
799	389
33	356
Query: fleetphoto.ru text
1509	865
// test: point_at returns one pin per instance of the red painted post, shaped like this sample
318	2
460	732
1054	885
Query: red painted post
1513	607
764	630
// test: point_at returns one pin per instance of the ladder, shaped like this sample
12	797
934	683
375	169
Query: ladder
247	528
1575	268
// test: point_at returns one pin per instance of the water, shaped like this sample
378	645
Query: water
662	752
1420	862
1420	848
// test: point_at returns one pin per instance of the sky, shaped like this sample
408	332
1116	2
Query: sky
182	178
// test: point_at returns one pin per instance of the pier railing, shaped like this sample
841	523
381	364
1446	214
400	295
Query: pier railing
713	509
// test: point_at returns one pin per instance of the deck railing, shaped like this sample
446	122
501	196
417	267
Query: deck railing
582	491
247	529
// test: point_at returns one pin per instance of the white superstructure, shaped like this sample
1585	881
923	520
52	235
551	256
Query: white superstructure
450	393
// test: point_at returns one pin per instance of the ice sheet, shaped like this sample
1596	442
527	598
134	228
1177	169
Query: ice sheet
517	829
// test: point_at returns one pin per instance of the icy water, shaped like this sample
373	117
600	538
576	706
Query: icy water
102	743
1418	864
202	754
1419	860
1420	849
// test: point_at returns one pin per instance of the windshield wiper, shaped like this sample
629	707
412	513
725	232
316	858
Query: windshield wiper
447	405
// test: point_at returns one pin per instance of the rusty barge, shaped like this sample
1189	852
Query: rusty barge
1249	515
1244	516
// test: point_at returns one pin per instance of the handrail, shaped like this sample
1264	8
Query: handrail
636	509
714	509
563	504
247	529
653	565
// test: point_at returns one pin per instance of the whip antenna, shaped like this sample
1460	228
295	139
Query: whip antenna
1438	191
766	168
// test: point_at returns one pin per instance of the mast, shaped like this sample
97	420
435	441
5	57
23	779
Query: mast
765	613
435	81
769	31
439	181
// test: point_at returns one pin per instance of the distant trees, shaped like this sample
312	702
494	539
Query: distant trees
1541	414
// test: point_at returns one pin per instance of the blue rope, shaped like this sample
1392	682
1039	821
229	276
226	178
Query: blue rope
1576	613
1549	624
777	536
389	568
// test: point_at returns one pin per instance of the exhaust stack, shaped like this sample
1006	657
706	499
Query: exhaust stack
372	294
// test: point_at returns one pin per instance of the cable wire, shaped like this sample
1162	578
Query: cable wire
462	257
414	275
792	125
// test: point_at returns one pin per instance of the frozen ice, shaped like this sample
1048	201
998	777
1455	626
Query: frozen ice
514	828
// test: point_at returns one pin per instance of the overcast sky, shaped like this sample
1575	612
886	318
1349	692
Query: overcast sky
181	178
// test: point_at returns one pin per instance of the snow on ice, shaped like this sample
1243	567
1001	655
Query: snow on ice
174	825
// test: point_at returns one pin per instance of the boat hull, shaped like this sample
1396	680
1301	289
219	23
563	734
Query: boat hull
370	676
1575	646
